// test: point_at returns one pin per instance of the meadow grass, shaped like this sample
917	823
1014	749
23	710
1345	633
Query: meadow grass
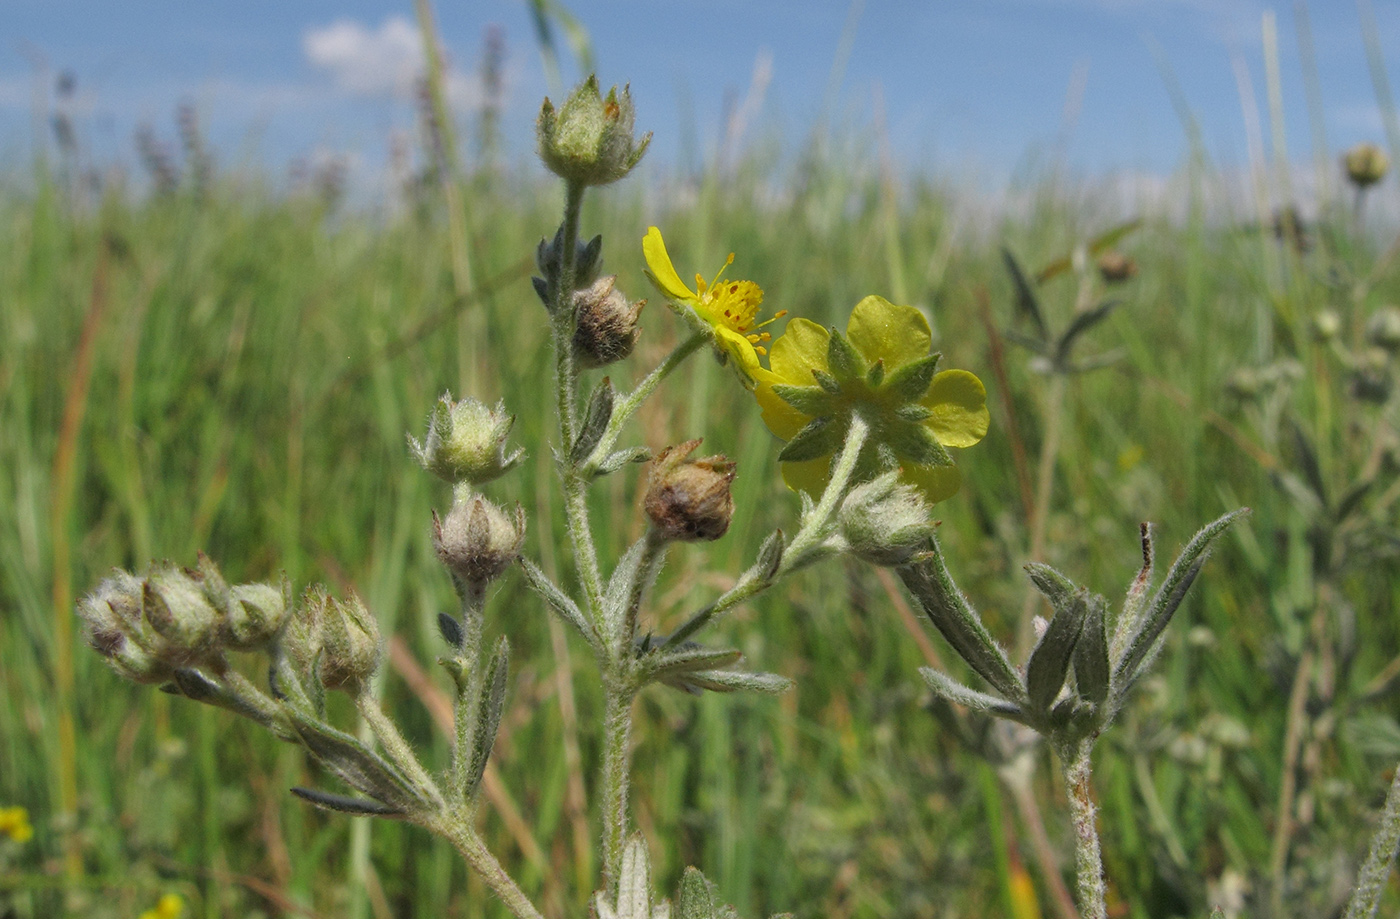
234	371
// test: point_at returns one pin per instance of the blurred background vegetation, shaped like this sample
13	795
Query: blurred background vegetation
216	365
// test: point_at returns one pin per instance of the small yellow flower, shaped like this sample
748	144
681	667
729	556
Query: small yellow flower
169	906
881	370
14	823
722	309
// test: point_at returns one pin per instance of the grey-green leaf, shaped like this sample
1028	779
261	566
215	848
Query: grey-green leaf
820	438
1049	662
1091	668
595	421
359	807
488	719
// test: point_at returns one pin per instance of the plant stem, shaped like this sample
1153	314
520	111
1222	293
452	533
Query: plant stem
469	694
1074	759
617	737
1044	487
1376	870
474	851
627	407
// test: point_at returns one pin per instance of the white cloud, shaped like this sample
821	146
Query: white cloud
372	62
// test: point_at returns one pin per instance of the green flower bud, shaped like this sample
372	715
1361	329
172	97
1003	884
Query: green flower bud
478	542
689	500
1383	329
1326	325
175	604
302	639
111	617
351	648
466	441
885	523
1365	164
257	614
607	324
589	141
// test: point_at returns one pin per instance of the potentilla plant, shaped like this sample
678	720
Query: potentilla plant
869	422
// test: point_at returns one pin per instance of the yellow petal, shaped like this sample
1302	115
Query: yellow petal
801	349
740	351
782	419
958	401
661	271
936	482
810	476
886	331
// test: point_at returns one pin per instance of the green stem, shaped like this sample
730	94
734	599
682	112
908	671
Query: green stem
617	737
1044	487
468	661
474	851
1074	759
627	407
394	744
1374	873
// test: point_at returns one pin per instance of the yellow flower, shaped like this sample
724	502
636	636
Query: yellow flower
169	906
725	310
14	823
881	370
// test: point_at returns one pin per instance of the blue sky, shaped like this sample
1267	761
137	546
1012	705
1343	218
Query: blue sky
976	85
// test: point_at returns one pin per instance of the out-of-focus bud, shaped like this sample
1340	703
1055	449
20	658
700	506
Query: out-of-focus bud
256	615
885	523
1115	267
1383	329
477	541
351	649
466	441
589	140
1326	325
112	625
175	604
689	499
607	323
1244	383
1365	164
302	639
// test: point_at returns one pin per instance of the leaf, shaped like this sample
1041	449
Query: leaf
616	460
619	593
695	897
557	600
488	718
910	382
770	556
1049	662
1026	301
820	438
359	807
1057	588
595	421
842	357
729	681
809	400
1082	323
945	687
1307	460
1091	669
357	766
450	629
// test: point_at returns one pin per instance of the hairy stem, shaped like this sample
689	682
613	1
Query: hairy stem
1074	759
617	738
624	409
474	851
1376	871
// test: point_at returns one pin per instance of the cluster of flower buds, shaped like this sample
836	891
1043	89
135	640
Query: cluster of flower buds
1383	329
589	141
884	522
606	329
477	541
689	500
466	442
175	617
1365	164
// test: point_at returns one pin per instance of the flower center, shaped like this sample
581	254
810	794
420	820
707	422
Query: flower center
734	304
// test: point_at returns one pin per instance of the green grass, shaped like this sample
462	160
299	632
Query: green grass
256	361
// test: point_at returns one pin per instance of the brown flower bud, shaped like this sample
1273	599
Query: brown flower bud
1365	164
351	650
1115	267
607	323
112	625
477	542
689	499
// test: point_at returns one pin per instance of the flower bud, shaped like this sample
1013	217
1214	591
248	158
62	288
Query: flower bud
1326	325
256	615
607	324
1365	164
351	649
687	499
589	140
1115	267
1383	329
112	625
302	639
175	604
466	441
885	523
477	542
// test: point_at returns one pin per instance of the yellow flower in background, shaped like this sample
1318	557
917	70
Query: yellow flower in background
14	823
881	370
169	906
726	310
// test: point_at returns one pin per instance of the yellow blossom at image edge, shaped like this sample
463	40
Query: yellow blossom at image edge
169	906
14	823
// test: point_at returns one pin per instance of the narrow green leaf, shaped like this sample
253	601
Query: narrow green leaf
488	718
1026	301
557	600
1091	669
1049	662
595	421
359	807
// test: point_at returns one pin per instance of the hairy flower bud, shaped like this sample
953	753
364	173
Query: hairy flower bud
175	604
1383	329
1115	267
885	523
350	645
111	617
589	140
256	615
607	323
689	499
1326	325
477	541
302	639
1365	164
466	441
